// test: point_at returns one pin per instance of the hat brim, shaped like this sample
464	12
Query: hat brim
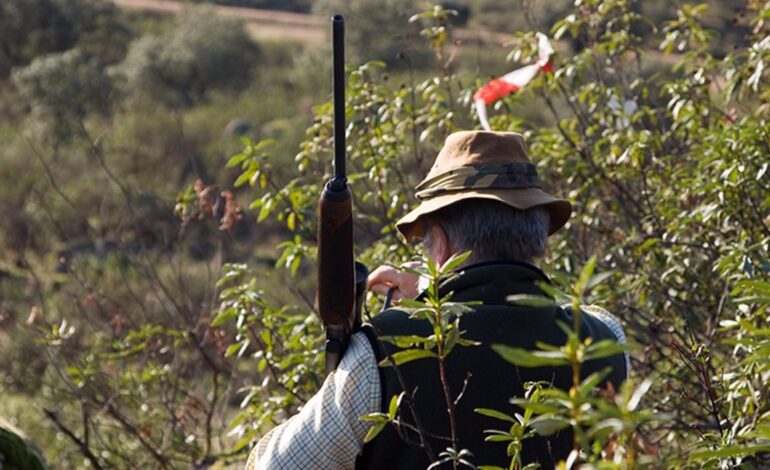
412	227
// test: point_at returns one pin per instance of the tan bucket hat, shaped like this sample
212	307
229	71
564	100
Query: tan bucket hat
482	165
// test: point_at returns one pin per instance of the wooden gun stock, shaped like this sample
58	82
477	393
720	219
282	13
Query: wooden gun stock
336	296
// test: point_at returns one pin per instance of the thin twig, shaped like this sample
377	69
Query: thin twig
82	444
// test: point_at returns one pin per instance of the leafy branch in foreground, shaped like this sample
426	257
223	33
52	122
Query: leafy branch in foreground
443	316
604	423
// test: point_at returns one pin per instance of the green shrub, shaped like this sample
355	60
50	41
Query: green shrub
201	53
60	90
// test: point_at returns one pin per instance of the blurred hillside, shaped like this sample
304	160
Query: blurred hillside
724	16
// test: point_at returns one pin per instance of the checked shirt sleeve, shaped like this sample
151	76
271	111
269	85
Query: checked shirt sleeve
327	433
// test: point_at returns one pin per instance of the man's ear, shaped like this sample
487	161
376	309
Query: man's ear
440	246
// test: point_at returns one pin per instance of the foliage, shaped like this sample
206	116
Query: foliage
115	339
443	316
30	28
201	53
61	90
284	341
606	426
106	297
669	192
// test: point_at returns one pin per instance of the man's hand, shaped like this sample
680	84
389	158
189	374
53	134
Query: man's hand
384	278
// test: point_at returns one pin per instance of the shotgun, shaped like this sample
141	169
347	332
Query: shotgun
341	281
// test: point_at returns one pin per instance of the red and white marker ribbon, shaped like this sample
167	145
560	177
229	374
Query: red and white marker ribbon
513	81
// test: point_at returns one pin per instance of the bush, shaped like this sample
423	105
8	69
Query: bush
61	89
31	28
201	53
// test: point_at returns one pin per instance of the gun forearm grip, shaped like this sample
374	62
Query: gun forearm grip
335	292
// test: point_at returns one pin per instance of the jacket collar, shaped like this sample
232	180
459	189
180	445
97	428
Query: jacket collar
493	281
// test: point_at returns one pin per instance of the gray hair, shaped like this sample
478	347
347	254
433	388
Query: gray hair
492	230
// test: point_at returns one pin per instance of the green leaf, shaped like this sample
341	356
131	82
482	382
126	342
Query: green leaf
585	276
375	418
266	208
406	341
454	262
606	427
592	381
550	290
547	425
451	339
524	358
395	403
223	316
494	414
536	407
236	159
640	391
529	300
243	179
729	451
232	349
468	342
264	144
402	357
604	348
411	303
598	279
374	431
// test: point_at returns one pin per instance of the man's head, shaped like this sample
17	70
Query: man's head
491	230
482	194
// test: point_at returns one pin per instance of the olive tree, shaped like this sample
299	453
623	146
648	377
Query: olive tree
60	89
202	52
31	28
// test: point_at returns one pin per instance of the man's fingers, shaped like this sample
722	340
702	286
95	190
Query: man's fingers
383	289
384	278
383	275
379	288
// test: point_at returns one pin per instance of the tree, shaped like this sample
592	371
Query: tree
201	53
31	28
60	89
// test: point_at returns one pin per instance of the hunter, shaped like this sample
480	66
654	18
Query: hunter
481	195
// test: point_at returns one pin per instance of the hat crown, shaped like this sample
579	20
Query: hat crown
482	165
479	148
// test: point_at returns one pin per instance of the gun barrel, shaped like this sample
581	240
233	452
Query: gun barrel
338	77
